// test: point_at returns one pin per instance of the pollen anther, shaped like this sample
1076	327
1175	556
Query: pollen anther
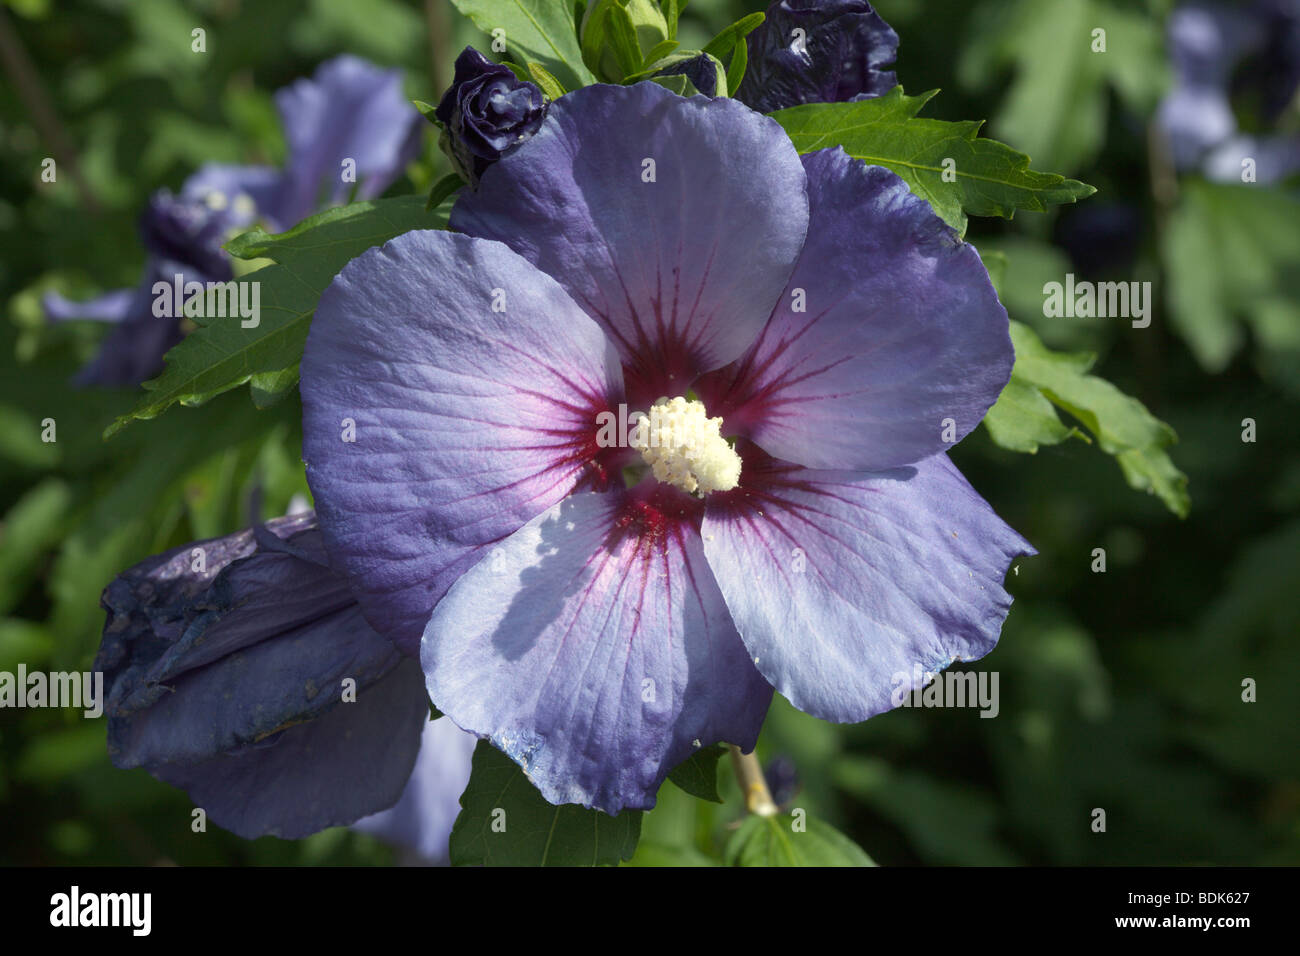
685	448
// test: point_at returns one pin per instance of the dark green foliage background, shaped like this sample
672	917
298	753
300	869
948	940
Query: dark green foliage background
1118	690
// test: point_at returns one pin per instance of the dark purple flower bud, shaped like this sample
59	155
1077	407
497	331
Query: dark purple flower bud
818	51
705	72
1102	239
240	669
1272	77
486	112
782	779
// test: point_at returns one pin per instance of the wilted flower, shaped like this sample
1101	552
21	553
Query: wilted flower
818	51
486	112
240	669
348	128
640	246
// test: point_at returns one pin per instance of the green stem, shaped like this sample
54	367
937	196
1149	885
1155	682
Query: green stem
749	774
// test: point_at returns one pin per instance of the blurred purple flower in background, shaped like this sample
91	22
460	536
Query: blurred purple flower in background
818	51
350	112
1237	69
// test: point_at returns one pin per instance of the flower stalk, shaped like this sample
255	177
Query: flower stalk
749	774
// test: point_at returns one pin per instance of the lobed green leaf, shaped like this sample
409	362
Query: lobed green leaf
988	178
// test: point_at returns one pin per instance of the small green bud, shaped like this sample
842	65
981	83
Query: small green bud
705	72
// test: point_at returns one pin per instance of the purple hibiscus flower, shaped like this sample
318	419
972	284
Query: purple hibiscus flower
349	111
486	112
673	256
818	51
1249	54
241	670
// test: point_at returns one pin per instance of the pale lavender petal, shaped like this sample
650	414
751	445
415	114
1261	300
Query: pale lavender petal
132	351
681	271
110	307
901	346
592	647
467	421
236	194
843	583
1273	158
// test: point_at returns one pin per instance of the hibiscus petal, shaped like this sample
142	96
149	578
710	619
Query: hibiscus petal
422	819
110	307
840	582
346	764
349	110
901	331
681	271
592	647
133	348
236	193
468	421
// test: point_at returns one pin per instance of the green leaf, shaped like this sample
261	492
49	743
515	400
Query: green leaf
1022	419
1232	253
504	821
20	439
736	68
1056	107
551	87
989	178
672	10
725	41
622	38
592	34
657	53
221	354
539	30
793	839
948	823
33	525
442	190
427	110
1121	425
698	774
